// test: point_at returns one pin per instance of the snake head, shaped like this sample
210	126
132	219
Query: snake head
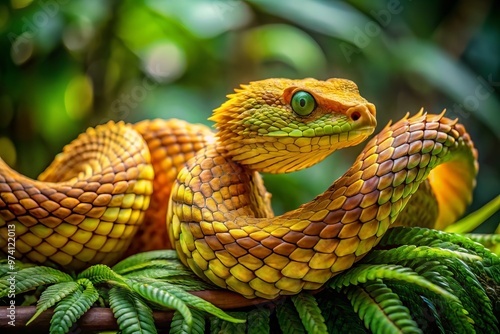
283	125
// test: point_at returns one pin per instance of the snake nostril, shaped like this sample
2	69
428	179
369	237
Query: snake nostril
355	115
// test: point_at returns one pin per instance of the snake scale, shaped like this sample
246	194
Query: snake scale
122	188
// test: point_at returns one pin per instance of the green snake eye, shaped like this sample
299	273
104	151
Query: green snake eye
303	103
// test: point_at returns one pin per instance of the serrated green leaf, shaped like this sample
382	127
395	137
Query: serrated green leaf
179	326
32	277
52	295
338	313
258	321
228	327
288	318
72	307
140	258
380	309
309	313
132	314
162	297
100	273
192	300
409	252
366	272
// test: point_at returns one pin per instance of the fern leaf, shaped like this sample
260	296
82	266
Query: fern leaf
309	313
365	272
189	283
381	309
228	327
175	266
157	273
339	314
162	297
100	273
72	307
450	315
487	240
52	295
136	259
410	252
32	277
6	268
258	321
473	296
419	236
192	300
131	312
289	319
179	326
215	325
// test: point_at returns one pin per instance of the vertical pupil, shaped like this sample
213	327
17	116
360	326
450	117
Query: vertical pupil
302	102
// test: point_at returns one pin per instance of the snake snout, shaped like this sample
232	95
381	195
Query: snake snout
363	115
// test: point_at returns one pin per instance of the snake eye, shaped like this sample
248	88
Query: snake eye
303	103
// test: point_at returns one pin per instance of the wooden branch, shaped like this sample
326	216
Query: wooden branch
102	319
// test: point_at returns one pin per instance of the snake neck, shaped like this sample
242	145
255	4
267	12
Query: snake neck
222	240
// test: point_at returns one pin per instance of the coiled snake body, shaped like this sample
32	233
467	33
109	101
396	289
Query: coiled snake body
107	193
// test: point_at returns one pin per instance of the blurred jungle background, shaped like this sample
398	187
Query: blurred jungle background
67	65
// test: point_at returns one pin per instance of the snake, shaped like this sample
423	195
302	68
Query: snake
122	188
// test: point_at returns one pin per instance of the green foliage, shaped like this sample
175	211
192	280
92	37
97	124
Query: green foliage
288	318
309	313
52	295
32	277
179	324
416	280
132	313
72	307
258	321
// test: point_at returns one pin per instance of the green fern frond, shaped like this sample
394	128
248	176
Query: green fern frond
100	273
441	274
288	318
215	325
157	272
72	307
339	314
451	314
228	327
258	321
179	326
473	296
419	236
52	295
309	312
132	314
175	266
410	252
164	298
487	240
191	300
6	268
32	277
139	258
380	309
365	272
189	283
